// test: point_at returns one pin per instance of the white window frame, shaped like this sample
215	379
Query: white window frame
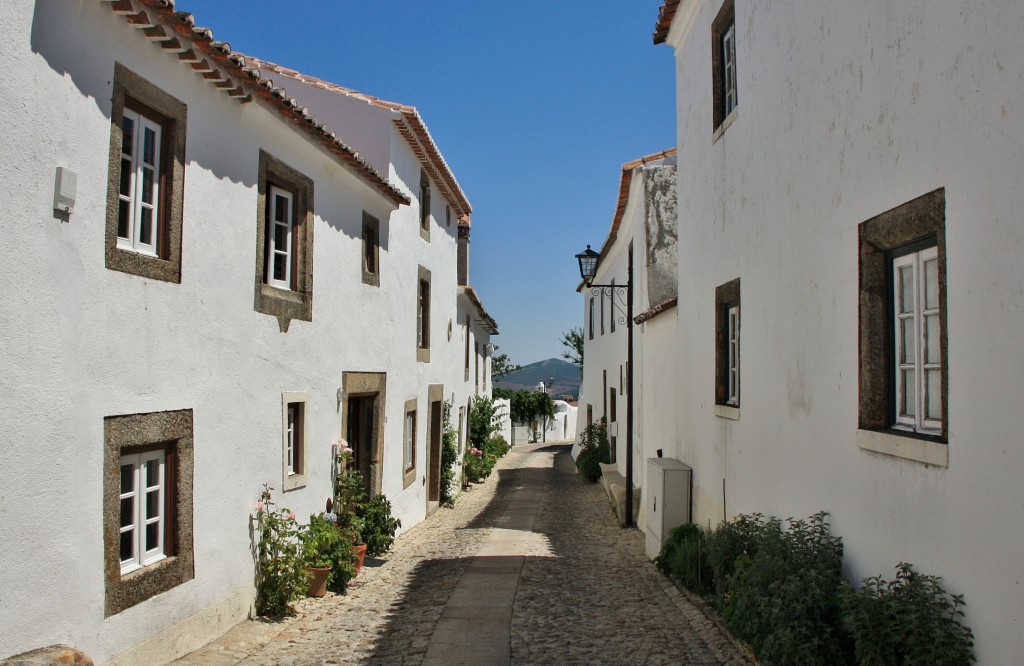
143	552
409	442
921	319
733	350
295	419
135	166
729	68
289	224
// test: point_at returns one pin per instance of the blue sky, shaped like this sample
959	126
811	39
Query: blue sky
535	105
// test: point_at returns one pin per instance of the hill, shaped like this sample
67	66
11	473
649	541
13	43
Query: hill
566	375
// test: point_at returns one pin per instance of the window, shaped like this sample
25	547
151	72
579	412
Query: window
602	312
147	179
611	298
143	513
424	205
447	215
476	367
903	383
409	443
591	328
918	357
147	506
423	316
723	62
371	250
293	441
727	346
284	240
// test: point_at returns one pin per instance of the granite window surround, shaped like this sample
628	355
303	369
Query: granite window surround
172	433
371	250
129	91
422	315
409	443
368	385
723	67
881	239
294	418
296	302
424	205
727	299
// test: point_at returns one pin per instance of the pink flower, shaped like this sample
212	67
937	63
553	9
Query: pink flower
336	443
260	506
290	515
347	449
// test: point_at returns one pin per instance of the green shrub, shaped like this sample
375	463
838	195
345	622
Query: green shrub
483	420
685	557
449	454
910	620
594	449
280	568
784	598
734	539
343	560
497	446
379	526
474	466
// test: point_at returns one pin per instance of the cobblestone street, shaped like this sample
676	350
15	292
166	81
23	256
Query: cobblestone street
528	568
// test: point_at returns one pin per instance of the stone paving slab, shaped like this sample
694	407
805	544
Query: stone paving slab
528	568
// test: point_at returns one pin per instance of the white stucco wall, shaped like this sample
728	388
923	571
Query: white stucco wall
84	342
847	110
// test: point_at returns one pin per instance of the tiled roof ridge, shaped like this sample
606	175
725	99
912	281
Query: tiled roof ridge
624	183
230	72
474	298
656	310
666	13
412	128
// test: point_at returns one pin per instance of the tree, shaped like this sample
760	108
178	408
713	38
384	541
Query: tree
501	366
572	340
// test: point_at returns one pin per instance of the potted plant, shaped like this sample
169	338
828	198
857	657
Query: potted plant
319	540
379	526
349	498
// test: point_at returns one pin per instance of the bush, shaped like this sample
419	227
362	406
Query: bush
685	557
379	526
474	466
593	450
910	620
496	446
280	569
343	560
784	599
732	540
483	420
449	455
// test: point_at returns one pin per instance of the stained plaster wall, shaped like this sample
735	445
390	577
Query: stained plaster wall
84	342
846	111
649	216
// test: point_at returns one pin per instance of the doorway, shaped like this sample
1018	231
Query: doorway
360	435
361	409
435	425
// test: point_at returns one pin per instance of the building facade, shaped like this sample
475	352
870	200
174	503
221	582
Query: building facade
842	325
216	292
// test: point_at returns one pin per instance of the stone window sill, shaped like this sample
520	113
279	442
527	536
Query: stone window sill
727	412
720	130
910	448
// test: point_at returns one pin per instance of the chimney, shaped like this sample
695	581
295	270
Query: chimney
463	258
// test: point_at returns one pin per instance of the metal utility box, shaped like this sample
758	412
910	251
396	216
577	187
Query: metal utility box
667	500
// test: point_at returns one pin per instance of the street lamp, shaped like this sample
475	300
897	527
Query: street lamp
588	269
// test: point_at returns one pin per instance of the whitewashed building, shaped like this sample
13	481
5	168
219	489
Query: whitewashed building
643	232
208	288
850	285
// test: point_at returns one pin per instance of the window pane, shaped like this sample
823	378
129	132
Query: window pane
127	511
909	402
127	135
280	237
280	209
932	343
127	545
147	185
906	289
279	266
152	473
152	536
127	478
153	504
148	146
931	284
907	339
933	401
122	219
126	177
145	226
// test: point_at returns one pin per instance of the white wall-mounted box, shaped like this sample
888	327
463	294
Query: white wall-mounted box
667	500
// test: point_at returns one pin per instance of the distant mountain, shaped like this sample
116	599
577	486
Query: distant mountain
566	375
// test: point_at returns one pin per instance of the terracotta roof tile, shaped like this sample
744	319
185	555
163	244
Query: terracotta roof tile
656	310
410	126
176	33
664	24
488	322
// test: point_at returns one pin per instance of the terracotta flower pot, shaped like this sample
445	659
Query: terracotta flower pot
318	580
360	555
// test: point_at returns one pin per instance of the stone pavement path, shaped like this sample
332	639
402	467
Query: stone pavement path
528	568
